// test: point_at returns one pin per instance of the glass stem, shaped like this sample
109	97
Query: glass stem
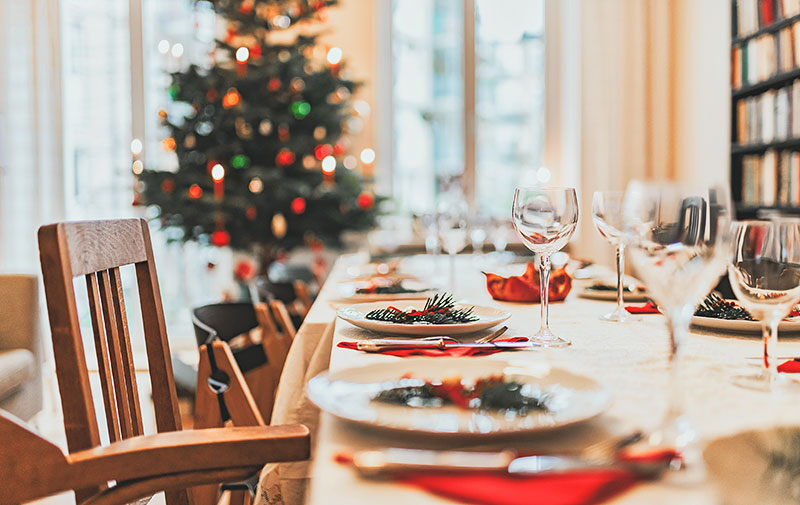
678	322
544	292
452	274
620	273
770	339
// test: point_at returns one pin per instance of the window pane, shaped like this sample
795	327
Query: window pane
510	98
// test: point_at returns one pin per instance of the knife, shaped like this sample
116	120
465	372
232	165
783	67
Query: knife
380	463
388	344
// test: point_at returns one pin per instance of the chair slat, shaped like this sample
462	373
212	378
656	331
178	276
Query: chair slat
117	372
129	370
101	349
283	318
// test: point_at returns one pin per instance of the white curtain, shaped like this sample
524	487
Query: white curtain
31	175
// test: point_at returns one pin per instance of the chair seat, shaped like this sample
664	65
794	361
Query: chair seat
17	367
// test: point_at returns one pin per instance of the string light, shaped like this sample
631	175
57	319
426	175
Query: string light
255	186
137	167
334	55
218	172
195	191
231	98
177	50
163	46
242	54
136	147
543	175
328	164
350	162
362	108
367	156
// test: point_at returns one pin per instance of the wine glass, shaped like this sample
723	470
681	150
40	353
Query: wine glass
678	240
453	235
545	219
765	276
608	219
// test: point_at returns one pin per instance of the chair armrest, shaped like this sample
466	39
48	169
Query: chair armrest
189	451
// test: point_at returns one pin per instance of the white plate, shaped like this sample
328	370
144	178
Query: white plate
742	326
347	290
357	315
611	296
347	394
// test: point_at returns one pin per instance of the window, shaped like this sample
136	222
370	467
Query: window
468	77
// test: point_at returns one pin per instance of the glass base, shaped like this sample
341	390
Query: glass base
545	338
620	316
758	381
677	433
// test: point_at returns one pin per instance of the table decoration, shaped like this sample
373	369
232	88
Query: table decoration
545	220
647	308
384	288
601	290
765	276
350	394
525	288
608	219
453	351
791	366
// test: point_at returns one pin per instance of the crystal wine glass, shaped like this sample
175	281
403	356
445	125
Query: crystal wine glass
453	234
545	219
678	240
765	276
607	218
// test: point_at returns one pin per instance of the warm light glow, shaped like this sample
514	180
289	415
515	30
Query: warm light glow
242	54
163	46
256	186
362	108
350	162
136	147
328	164
543	175
334	55
217	172
281	21
177	50
231	98
367	156
137	167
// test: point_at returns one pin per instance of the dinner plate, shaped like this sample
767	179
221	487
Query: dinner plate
611	296
743	326
357	315
348	291
348	394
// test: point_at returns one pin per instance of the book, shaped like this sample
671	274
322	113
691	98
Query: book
782	114
767	111
769	176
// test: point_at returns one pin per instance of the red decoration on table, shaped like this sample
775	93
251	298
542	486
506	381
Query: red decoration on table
525	287
791	366
647	308
457	352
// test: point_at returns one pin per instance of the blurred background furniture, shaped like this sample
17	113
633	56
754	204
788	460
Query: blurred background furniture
20	367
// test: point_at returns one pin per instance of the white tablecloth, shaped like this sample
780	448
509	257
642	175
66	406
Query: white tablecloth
629	359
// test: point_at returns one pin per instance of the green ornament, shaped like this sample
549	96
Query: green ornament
240	161
300	109
174	90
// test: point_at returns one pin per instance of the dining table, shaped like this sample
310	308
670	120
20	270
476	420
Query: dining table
630	360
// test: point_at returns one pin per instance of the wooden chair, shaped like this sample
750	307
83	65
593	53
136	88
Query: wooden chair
140	465
259	362
284	319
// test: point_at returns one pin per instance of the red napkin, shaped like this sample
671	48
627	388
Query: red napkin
647	308
791	366
525	287
459	351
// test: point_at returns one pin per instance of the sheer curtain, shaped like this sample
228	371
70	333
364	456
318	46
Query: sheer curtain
31	161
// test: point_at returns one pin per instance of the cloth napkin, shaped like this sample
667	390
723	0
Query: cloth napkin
647	308
791	366
458	352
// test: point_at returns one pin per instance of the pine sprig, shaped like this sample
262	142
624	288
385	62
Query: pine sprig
439	309
716	307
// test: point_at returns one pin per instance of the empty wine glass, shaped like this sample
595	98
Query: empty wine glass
678	240
545	219
765	276
453	234
608	219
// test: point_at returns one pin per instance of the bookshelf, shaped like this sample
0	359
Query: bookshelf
765	107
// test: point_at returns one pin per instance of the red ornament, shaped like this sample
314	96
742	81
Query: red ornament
230	33
220	238
251	212
283	133
168	186
338	149
323	150
255	51
284	157
195	191
246	7
212	94
231	98
365	201
274	84
298	205
244	270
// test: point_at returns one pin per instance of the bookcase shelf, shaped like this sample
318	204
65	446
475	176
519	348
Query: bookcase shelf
775	81
773	28
747	211
761	147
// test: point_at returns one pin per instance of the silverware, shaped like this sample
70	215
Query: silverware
492	336
387	344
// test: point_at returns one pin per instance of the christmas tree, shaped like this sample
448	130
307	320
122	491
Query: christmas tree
260	152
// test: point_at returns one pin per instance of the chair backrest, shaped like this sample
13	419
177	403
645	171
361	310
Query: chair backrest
223	321
96	250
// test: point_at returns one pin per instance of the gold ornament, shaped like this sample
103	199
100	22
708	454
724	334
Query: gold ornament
279	225
297	85
309	162
265	127
243	128
320	132
189	141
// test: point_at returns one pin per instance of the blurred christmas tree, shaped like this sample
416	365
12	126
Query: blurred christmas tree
260	153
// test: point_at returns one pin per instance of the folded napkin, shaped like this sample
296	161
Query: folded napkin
647	308
791	366
525	287
458	351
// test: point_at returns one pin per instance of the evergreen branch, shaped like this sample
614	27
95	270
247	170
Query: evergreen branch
439	309
716	307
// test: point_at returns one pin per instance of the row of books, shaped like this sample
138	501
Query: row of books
751	15
771	178
772	116
764	56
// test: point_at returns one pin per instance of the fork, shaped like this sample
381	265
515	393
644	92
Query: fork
492	336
